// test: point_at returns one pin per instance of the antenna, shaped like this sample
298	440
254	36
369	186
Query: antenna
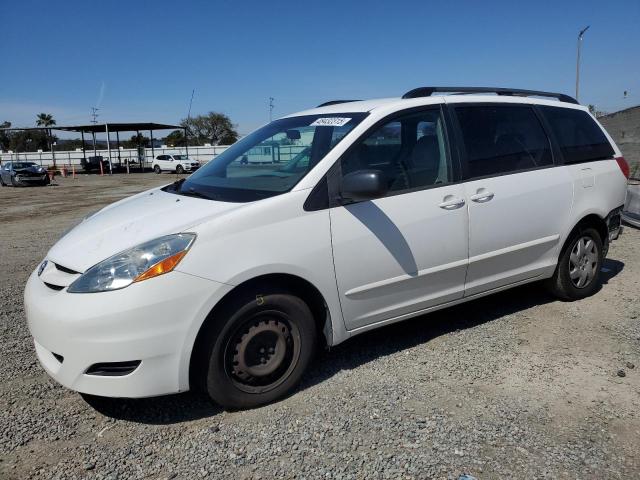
271	99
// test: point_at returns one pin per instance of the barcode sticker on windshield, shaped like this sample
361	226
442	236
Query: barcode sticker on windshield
330	122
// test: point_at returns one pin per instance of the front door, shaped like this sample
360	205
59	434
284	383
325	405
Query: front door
406	252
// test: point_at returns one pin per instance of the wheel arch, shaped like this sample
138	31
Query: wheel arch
593	220
289	282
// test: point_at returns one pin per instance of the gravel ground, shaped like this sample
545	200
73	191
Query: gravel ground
516	385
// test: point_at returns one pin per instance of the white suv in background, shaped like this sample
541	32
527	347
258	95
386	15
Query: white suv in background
174	163
230	279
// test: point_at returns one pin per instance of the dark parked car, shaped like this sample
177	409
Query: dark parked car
93	164
23	173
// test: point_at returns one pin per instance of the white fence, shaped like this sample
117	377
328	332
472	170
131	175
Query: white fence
269	153
72	157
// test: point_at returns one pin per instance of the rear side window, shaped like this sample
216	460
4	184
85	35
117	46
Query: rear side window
501	139
579	136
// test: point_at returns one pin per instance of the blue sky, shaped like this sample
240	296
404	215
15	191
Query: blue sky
140	60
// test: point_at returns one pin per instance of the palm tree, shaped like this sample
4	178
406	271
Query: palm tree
47	120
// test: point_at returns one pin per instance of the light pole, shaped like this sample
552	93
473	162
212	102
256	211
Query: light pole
580	35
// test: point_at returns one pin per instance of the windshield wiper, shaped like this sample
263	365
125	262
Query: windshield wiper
193	193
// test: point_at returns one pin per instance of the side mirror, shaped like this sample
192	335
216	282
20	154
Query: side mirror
364	185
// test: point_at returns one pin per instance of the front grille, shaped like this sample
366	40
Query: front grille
65	269
113	369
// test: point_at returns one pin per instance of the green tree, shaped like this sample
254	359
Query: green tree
45	120
137	140
175	139
4	136
214	128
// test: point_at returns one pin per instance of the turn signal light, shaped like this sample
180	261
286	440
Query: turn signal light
162	267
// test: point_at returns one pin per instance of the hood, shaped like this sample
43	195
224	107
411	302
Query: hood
32	169
130	222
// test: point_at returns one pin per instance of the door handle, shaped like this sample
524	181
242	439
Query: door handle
482	196
451	203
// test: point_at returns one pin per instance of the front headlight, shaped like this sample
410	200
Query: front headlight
139	263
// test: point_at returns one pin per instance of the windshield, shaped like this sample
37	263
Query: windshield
269	161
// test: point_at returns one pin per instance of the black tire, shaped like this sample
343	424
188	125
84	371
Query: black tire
179	169
15	183
2	182
46	181
577	275
256	349
157	169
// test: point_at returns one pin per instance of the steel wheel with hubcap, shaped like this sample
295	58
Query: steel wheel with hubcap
578	272
583	262
255	348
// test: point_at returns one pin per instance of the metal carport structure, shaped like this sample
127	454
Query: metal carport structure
111	127
108	128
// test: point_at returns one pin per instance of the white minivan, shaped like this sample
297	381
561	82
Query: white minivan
228	280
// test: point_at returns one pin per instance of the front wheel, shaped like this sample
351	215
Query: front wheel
179	169
578	272
258	349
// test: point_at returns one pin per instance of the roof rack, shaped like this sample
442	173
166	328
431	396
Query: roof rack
335	102
428	91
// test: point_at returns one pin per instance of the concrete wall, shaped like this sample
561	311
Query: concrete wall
624	127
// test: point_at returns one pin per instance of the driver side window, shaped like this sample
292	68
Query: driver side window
410	150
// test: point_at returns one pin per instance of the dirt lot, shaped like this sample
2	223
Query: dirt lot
516	385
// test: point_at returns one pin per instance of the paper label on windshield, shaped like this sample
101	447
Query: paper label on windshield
330	122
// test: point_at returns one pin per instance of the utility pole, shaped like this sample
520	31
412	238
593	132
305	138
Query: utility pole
94	116
271	99
580	35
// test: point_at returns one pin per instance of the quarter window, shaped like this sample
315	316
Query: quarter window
579	137
410	150
502	139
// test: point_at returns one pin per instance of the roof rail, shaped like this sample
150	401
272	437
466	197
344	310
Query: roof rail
428	91
335	102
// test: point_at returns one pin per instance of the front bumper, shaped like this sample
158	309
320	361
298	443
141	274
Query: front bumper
31	178
154	322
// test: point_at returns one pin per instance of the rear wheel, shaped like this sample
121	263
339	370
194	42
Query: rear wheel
2	182
179	169
157	169
259	350
578	272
